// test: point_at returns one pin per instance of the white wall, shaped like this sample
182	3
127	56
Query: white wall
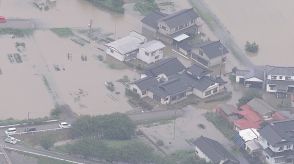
151	58
115	54
238	78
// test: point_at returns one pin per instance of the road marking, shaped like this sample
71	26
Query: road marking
43	155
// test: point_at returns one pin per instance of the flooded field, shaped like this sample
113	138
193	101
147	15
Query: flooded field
268	22
22	88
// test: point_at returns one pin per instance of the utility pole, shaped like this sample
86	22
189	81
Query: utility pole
221	48
175	124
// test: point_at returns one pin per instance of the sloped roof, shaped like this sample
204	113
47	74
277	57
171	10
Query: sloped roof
152	19
128	43
214	150
250	119
198	70
275	70
152	46
214	49
179	18
280	132
169	66
260	106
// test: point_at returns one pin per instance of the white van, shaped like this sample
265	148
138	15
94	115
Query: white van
10	131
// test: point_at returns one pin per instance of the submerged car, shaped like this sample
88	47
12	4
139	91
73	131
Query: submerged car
64	125
11	140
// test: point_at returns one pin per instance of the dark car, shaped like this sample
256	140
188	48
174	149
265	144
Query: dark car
30	129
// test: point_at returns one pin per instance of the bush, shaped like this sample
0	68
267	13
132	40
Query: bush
114	126
47	142
248	96
251	47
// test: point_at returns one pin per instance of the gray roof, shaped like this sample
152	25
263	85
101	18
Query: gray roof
260	106
278	133
214	49
152	19
214	150
178	80
257	72
197	70
128	43
281	85
274	70
180	17
169	66
152	46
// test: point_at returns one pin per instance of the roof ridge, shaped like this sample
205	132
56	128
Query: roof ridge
176	14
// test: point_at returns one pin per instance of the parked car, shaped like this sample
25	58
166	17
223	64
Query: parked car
10	131
64	125
2	19
11	140
30	129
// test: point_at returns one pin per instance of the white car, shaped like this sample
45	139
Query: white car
10	131
64	125
11	140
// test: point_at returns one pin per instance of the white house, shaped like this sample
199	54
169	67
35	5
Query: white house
151	52
126	48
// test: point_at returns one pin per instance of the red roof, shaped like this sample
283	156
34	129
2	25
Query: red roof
251	119
277	116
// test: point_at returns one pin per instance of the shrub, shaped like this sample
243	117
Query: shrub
251	47
47	142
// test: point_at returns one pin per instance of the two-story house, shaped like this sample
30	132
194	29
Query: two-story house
277	141
169	81
168	27
151	51
126	48
276	80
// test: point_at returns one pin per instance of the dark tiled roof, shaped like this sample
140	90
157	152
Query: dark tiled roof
180	17
214	150
214	49
278	133
281	85
168	67
285	154
197	70
260	106
274	70
146	83
152	19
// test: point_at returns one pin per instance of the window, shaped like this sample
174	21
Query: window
135	90
214	90
111	50
156	57
207	93
288	146
274	77
166	99
272	87
163	27
280	77
288	78
144	92
146	53
281	148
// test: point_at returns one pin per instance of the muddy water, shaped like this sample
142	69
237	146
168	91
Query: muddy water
22	90
268	22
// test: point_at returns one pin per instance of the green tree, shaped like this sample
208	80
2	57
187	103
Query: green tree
114	126
47	142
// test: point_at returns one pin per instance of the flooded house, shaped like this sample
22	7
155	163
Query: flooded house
208	54
171	28
151	51
277	142
273	79
213	152
126	48
168	81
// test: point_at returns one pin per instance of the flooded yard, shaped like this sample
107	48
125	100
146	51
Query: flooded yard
268	22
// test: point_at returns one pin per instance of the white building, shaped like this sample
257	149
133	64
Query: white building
151	52
126	48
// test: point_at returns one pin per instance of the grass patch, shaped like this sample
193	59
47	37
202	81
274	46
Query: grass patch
62	32
112	5
221	124
16	32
